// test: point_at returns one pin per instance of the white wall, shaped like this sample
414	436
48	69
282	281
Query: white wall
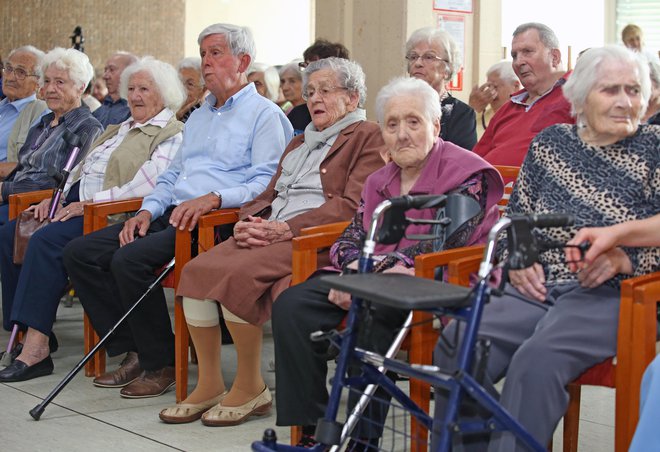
282	29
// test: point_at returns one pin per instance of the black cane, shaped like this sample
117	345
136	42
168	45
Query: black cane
38	410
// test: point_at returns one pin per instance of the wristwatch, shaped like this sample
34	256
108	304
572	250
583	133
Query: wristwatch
217	193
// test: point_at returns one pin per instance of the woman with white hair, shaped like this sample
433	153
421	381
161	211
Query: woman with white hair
291	84
501	83
266	80
318	181
433	56
409	113
604	170
190	73
124	163
65	74
652	115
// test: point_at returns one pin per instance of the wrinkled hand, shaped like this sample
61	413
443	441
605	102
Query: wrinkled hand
339	298
255	232
481	96
604	267
601	240
41	210
139	223
75	209
188	212
529	281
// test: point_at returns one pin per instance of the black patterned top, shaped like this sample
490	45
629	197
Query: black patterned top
599	185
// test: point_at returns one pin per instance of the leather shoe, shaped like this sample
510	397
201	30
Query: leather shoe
223	416
19	371
150	383
183	413
128	371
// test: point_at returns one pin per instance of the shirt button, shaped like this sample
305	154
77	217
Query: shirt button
323	171
329	195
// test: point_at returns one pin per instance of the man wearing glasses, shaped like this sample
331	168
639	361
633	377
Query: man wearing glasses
21	108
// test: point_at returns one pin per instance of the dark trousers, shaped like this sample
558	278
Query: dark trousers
109	279
31	292
4	213
301	365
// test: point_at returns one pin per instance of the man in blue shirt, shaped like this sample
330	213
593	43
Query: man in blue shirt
230	150
114	109
20	109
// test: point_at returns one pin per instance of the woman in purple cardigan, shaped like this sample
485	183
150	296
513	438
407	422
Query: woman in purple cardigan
420	163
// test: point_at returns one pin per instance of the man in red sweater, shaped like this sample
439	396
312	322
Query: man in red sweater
541	103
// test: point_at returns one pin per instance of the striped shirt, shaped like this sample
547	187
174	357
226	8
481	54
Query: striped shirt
45	148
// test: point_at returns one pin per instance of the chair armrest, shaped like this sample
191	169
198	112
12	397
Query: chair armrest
331	228
305	249
20	201
207	223
96	214
460	270
425	264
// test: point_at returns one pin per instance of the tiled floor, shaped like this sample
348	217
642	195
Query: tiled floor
86	418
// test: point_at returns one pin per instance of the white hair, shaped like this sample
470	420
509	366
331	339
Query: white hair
413	87
36	53
505	70
191	63
74	62
165	77
239	39
442	39
271	79
292	66
588	72
349	75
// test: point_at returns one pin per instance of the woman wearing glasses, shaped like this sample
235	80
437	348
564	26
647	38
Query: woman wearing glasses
433	56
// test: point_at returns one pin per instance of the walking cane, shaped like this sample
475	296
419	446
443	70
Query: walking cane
60	177
38	410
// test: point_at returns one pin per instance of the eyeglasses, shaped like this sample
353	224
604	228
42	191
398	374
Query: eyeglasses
427	58
19	73
323	91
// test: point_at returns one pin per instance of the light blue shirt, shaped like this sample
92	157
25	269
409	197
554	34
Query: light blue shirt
9	112
233	149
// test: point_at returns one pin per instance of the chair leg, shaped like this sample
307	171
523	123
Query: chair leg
296	434
572	419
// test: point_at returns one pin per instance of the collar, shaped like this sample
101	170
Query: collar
19	103
159	121
108	101
247	90
520	97
47	119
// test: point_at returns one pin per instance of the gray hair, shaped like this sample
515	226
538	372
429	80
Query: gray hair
75	63
36	53
165	77
505	70
126	57
191	63
294	67
654	72
587	74
349	74
409	86
271	79
442	39
546	35
239	39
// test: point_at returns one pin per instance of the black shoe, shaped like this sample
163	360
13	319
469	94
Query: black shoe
53	345
19	371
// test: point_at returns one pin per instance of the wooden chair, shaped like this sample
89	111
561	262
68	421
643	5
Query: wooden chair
636	339
509	174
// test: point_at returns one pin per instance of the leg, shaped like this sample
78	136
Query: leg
9	272
300	364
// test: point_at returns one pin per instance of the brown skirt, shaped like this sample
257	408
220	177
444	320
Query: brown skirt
245	281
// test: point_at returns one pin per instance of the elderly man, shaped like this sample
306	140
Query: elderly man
114	109
537	63
21	108
231	146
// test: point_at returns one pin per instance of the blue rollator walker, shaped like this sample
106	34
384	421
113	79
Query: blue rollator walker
441	299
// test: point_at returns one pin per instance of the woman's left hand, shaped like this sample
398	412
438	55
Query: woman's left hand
75	209
604	267
256	232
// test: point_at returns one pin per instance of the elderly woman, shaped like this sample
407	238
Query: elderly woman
291	84
266	80
421	163
433	56
190	73
652	115
501	83
604	170
318	181
124	163
66	73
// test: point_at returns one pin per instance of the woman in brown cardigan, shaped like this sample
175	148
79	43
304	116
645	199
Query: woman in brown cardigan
319	180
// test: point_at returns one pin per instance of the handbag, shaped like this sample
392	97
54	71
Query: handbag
26	225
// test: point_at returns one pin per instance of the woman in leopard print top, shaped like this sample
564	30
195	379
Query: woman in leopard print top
551	325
